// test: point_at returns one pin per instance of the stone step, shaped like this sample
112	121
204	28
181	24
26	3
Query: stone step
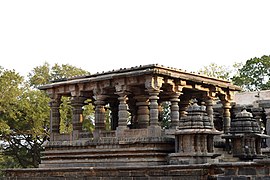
93	156
105	160
106	151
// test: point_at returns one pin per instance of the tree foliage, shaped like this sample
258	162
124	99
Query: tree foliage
254	75
43	74
24	113
165	115
216	71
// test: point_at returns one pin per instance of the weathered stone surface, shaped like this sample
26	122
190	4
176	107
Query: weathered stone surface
137	146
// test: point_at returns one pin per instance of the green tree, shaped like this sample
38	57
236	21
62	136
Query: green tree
254	75
44	74
10	89
216	71
24	113
165	115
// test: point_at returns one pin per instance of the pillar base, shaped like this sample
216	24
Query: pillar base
97	133
154	131
120	131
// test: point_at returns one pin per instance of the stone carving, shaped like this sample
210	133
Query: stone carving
245	135
194	138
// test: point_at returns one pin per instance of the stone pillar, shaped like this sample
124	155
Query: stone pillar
142	111
267	113
54	118
175	110
77	117
154	130
99	112
209	110
257	113
77	104
183	105
154	107
226	116
122	110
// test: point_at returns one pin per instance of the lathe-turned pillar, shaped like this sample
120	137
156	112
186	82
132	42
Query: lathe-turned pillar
154	107
77	115
54	118
226	116
175	110
122	110
99	112
209	110
142	111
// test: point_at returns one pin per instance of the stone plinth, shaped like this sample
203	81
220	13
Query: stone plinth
222	171
107	152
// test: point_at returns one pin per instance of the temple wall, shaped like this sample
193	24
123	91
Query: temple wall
248	98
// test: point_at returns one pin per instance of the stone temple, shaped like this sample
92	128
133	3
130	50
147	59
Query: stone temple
206	138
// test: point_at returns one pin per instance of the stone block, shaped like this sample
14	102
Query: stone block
140	178
264	178
138	173
241	178
124	173
224	178
262	171
230	171
154	131
247	171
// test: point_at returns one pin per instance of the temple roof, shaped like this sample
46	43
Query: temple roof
151	69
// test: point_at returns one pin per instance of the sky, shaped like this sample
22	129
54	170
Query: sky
101	35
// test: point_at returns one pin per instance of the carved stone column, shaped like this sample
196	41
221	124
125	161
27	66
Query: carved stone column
100	112
226	116
175	110
154	107
209	110
122	110
54	118
77	104
142	111
183	105
267	113
77	118
265	104
153	85
257	113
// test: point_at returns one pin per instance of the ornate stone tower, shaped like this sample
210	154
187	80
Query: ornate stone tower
245	137
194	138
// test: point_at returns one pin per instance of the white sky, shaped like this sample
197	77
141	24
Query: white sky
111	34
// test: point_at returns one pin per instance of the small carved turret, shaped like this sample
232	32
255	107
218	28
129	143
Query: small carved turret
245	137
194	138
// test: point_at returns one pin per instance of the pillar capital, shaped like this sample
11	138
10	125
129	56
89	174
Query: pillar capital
175	96
153	84
77	100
